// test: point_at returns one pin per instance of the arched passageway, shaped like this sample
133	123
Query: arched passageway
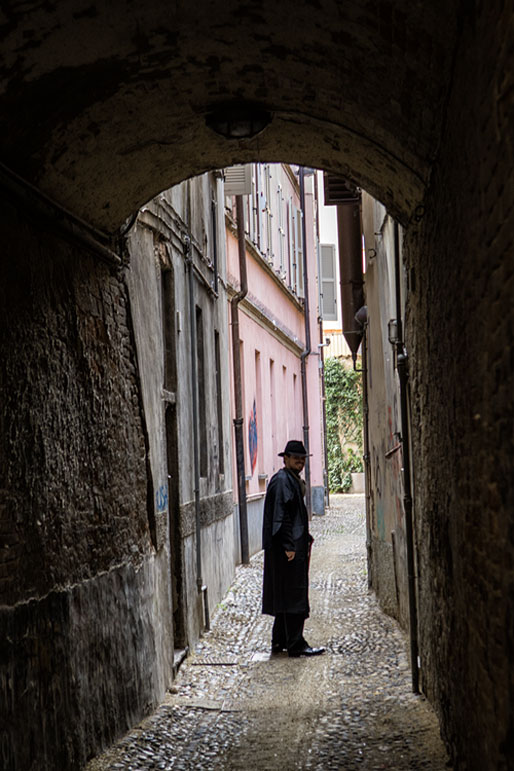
104	107
101	107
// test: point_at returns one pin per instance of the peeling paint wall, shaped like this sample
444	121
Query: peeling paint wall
159	290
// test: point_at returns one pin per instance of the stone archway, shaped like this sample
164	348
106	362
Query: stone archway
101	107
104	106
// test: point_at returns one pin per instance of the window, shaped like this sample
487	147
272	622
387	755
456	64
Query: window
258	399
168	327
269	215
328	282
214	222
202	411
219	403
291	233
273	411
299	253
281	230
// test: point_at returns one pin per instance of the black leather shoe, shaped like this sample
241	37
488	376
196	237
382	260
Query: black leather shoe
306	651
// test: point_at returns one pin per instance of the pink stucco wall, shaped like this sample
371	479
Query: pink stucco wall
271	369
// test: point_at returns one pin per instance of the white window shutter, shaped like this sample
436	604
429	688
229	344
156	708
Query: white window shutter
328	282
299	253
238	180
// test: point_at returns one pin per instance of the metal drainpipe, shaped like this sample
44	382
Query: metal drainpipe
307	351
236	358
324	411
194	392
321	348
401	367
367	460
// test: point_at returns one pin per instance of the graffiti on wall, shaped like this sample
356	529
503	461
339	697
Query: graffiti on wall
161	498
252	436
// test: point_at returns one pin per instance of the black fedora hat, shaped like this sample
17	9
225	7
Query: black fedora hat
294	447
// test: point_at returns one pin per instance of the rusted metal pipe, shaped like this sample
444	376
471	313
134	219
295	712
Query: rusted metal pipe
401	367
236	360
367	458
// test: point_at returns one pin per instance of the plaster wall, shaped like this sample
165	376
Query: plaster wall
386	520
272	331
184	215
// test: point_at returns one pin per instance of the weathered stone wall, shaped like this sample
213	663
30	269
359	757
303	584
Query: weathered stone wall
460	335
84	651
72	446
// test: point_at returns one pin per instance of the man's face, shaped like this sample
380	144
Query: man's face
294	462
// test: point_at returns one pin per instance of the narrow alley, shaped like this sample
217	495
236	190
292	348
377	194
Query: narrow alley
233	706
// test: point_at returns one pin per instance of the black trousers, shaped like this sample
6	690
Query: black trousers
288	631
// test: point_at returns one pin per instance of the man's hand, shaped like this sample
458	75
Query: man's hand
290	555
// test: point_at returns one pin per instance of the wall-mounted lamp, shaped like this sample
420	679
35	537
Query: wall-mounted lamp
238	120
392	332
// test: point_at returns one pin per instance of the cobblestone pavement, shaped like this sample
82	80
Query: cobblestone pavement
233	706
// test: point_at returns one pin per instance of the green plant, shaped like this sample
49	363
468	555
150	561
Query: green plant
343	392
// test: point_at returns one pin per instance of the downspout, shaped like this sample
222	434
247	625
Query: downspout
324	412
236	358
194	400
321	347
401	367
307	351
367	460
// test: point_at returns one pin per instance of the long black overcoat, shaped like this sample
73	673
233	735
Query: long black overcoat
285	528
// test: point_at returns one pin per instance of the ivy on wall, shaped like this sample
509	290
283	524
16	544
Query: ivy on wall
343	392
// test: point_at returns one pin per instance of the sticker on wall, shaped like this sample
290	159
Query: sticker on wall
252	436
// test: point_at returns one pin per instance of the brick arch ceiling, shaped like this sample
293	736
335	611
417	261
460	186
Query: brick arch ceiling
102	105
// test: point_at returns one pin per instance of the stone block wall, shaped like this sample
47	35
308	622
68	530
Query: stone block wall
83	613
461	325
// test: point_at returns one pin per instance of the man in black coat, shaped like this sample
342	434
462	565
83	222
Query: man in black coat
287	543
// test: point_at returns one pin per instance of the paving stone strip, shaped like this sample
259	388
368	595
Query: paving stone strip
234	706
